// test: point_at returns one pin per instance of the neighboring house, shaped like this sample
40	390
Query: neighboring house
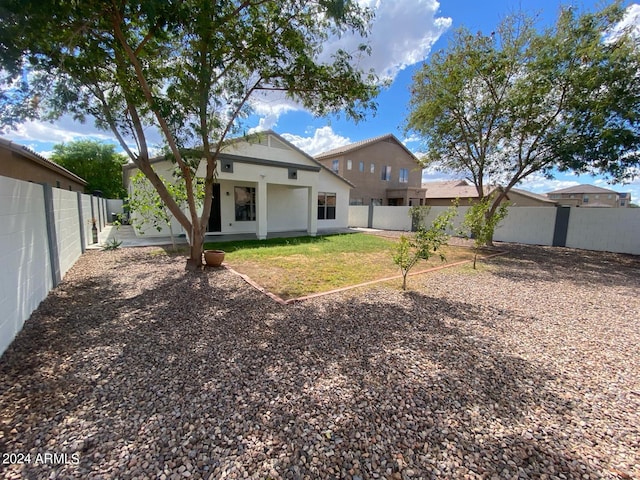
265	184
382	170
443	193
17	161
590	196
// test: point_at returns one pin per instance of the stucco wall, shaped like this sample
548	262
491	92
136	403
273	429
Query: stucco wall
25	276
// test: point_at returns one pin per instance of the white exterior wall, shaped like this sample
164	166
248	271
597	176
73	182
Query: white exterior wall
288	200
25	276
358	216
329	183
605	229
65	205
531	225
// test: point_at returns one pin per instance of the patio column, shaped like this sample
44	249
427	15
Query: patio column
261	208
312	215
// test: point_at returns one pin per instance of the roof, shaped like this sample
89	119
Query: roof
464	189
131	165
535	196
583	188
451	189
335	152
39	159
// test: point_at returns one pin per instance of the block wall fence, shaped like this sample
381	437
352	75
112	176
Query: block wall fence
43	231
601	229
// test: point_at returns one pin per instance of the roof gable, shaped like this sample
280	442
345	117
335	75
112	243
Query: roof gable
389	137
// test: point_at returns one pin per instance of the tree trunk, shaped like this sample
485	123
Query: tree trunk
194	262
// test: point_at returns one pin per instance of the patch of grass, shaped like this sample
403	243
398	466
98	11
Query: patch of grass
293	267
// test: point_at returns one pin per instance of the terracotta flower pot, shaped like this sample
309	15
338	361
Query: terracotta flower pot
214	258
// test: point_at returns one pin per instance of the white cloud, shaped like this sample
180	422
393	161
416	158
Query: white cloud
402	34
48	133
323	139
631	22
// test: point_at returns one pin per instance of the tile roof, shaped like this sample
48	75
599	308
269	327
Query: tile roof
584	188
465	189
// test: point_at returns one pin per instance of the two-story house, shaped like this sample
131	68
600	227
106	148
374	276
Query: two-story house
590	196
382	169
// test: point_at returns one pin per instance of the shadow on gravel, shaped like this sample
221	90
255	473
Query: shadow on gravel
582	267
198	372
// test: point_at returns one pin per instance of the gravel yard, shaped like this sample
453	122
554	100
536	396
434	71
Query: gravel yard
134	368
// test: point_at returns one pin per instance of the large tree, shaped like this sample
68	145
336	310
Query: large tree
497	108
186	68
96	162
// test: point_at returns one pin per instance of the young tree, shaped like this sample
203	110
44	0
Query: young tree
479	224
96	162
425	242
498	108
188	69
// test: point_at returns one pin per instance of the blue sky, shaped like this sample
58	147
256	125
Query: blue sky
405	32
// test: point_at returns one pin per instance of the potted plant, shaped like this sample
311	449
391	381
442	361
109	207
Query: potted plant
214	258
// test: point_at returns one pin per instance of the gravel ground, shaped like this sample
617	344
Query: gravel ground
134	368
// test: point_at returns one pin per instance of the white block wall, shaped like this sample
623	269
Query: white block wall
392	218
530	225
65	205
605	229
359	216
25	276
86	219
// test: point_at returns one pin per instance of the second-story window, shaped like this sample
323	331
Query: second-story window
404	175
385	173
335	165
361	166
349	165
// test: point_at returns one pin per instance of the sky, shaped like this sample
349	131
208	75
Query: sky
404	34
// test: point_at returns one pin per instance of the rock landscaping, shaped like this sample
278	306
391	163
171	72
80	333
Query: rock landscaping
134	368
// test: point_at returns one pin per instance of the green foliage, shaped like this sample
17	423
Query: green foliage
148	208
520	101
112	244
187	69
480	223
425	242
96	162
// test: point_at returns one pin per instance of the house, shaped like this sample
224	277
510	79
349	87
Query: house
443	193
19	162
590	196
382	170
265	184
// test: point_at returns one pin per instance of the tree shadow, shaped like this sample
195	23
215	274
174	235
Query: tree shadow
196	369
581	267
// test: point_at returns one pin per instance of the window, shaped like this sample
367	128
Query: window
385	173
245	198
373	168
622	203
361	166
404	175
326	206
348	164
585	199
356	201
335	165
57	184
